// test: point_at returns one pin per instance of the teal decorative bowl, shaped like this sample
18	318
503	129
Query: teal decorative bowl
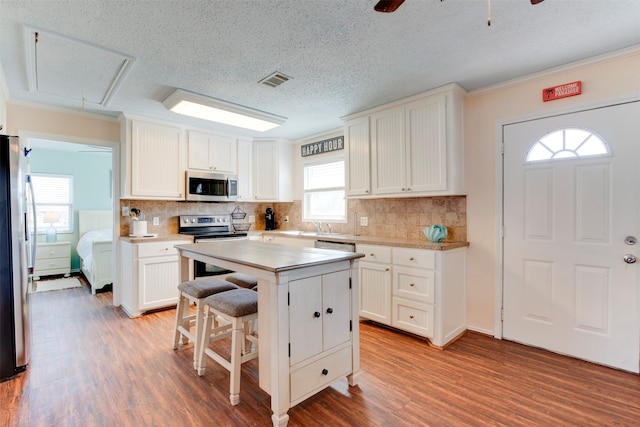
436	233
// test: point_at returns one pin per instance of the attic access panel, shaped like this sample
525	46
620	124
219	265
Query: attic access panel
76	70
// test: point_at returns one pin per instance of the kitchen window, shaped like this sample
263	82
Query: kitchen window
54	201
324	191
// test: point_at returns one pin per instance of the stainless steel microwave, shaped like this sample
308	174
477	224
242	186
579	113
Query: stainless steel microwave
211	187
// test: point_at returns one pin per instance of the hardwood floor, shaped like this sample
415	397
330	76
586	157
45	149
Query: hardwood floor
93	366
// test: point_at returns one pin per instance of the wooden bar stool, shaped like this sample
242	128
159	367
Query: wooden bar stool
240	308
243	280
195	291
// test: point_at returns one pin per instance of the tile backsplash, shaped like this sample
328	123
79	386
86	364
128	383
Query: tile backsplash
398	218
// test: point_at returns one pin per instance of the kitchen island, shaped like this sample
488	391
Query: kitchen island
307	314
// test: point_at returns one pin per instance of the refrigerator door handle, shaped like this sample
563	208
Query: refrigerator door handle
35	226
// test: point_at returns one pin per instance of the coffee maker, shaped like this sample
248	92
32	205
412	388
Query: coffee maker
270	220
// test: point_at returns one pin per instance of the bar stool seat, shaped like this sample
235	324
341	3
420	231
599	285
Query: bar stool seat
243	280
240	308
195	291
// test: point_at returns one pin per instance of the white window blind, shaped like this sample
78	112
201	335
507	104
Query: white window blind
53	195
324	193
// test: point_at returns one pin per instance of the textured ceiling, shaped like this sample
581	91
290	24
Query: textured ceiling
342	56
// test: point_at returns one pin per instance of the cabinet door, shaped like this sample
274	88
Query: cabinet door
426	145
336	306
265	170
245	166
375	291
222	154
358	157
198	151
156	161
305	318
388	151
158	279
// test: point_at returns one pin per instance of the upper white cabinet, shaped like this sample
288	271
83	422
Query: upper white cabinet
245	170
410	148
153	160
356	132
272	171
212	152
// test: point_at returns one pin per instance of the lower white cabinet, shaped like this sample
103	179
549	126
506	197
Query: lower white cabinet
150	275
416	290
319	332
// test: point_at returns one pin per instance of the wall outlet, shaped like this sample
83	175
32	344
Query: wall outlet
125	211
364	221
156	220
252	218
286	218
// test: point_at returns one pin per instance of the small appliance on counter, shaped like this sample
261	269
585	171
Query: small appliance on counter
270	220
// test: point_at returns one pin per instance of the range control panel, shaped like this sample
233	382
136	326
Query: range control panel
190	221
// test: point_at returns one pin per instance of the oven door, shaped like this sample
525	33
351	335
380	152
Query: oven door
202	269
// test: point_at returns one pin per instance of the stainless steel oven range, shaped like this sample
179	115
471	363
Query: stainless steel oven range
207	227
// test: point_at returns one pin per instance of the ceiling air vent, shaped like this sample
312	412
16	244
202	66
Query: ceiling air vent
275	79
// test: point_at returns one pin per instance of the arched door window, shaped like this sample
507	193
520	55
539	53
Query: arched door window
567	143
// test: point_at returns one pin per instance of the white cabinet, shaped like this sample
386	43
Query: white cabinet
358	170
374	271
319	331
153	160
51	259
272	171
423	291
212	152
415	147
150	275
245	170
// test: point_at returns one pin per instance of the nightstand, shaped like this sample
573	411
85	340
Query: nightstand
52	258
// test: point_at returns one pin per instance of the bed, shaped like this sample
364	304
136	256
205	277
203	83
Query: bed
95	247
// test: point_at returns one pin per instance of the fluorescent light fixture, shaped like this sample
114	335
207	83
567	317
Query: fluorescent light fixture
215	110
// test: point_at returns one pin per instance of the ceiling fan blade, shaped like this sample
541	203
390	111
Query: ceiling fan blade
388	5
536	1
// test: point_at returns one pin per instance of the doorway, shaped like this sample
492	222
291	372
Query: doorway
571	204
87	169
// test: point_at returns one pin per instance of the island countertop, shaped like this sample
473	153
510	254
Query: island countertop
267	256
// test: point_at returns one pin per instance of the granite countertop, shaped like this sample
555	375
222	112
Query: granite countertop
369	240
163	238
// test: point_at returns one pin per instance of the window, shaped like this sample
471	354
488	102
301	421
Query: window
567	143
324	194
54	201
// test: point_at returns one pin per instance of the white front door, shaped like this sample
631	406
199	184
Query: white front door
567	213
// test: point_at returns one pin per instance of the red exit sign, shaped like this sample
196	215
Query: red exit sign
562	91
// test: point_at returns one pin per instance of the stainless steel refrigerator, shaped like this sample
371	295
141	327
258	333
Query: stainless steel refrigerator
17	249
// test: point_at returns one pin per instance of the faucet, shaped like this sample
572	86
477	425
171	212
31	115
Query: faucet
329	228
318	226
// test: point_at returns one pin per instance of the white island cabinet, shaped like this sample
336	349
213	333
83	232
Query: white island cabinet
150	275
307	314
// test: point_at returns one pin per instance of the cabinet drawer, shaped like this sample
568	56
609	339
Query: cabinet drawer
52	264
414	284
414	317
158	248
52	251
375	253
310	378
414	257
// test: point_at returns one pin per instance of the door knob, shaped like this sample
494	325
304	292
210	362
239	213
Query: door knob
630	259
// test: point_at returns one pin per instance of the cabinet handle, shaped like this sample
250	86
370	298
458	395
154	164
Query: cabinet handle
411	258
316	314
329	310
325	372
411	316
411	285
372	255
386	269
